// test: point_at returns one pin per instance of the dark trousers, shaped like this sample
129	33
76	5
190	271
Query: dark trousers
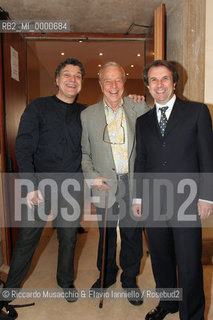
29	236
181	248
131	242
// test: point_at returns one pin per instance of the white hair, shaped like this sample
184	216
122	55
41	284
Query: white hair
114	64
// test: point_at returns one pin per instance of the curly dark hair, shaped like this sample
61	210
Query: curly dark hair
158	63
74	62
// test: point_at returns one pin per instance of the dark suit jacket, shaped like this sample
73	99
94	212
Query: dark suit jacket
187	146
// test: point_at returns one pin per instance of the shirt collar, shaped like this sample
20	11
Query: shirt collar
169	104
106	107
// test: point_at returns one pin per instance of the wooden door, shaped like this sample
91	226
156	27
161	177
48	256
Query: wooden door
12	106
155	43
159	32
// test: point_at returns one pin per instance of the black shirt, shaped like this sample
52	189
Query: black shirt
49	136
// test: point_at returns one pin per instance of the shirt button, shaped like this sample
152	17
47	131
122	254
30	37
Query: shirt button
164	144
164	163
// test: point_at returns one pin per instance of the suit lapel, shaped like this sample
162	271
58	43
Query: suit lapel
153	121
130	120
175	116
101	122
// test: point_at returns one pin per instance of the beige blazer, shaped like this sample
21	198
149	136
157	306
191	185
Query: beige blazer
97	157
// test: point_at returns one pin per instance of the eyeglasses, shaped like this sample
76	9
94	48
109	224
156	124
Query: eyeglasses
106	137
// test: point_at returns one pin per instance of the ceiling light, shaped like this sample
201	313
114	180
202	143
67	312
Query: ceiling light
127	74
80	41
62	53
100	54
132	65
99	65
138	55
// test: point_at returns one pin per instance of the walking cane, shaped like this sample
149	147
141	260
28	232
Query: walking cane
104	248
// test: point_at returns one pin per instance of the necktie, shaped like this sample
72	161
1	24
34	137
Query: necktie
163	120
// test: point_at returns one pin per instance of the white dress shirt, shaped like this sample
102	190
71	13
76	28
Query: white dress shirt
169	104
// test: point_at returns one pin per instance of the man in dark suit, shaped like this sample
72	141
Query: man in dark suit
174	137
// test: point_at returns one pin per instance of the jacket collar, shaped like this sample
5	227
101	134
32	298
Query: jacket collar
174	119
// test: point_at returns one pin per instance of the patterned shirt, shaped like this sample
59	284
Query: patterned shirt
117	130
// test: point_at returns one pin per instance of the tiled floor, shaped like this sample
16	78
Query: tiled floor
42	275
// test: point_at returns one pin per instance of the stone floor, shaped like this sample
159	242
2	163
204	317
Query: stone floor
42	275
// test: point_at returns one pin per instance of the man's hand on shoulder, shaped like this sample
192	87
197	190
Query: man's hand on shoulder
136	98
204	209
